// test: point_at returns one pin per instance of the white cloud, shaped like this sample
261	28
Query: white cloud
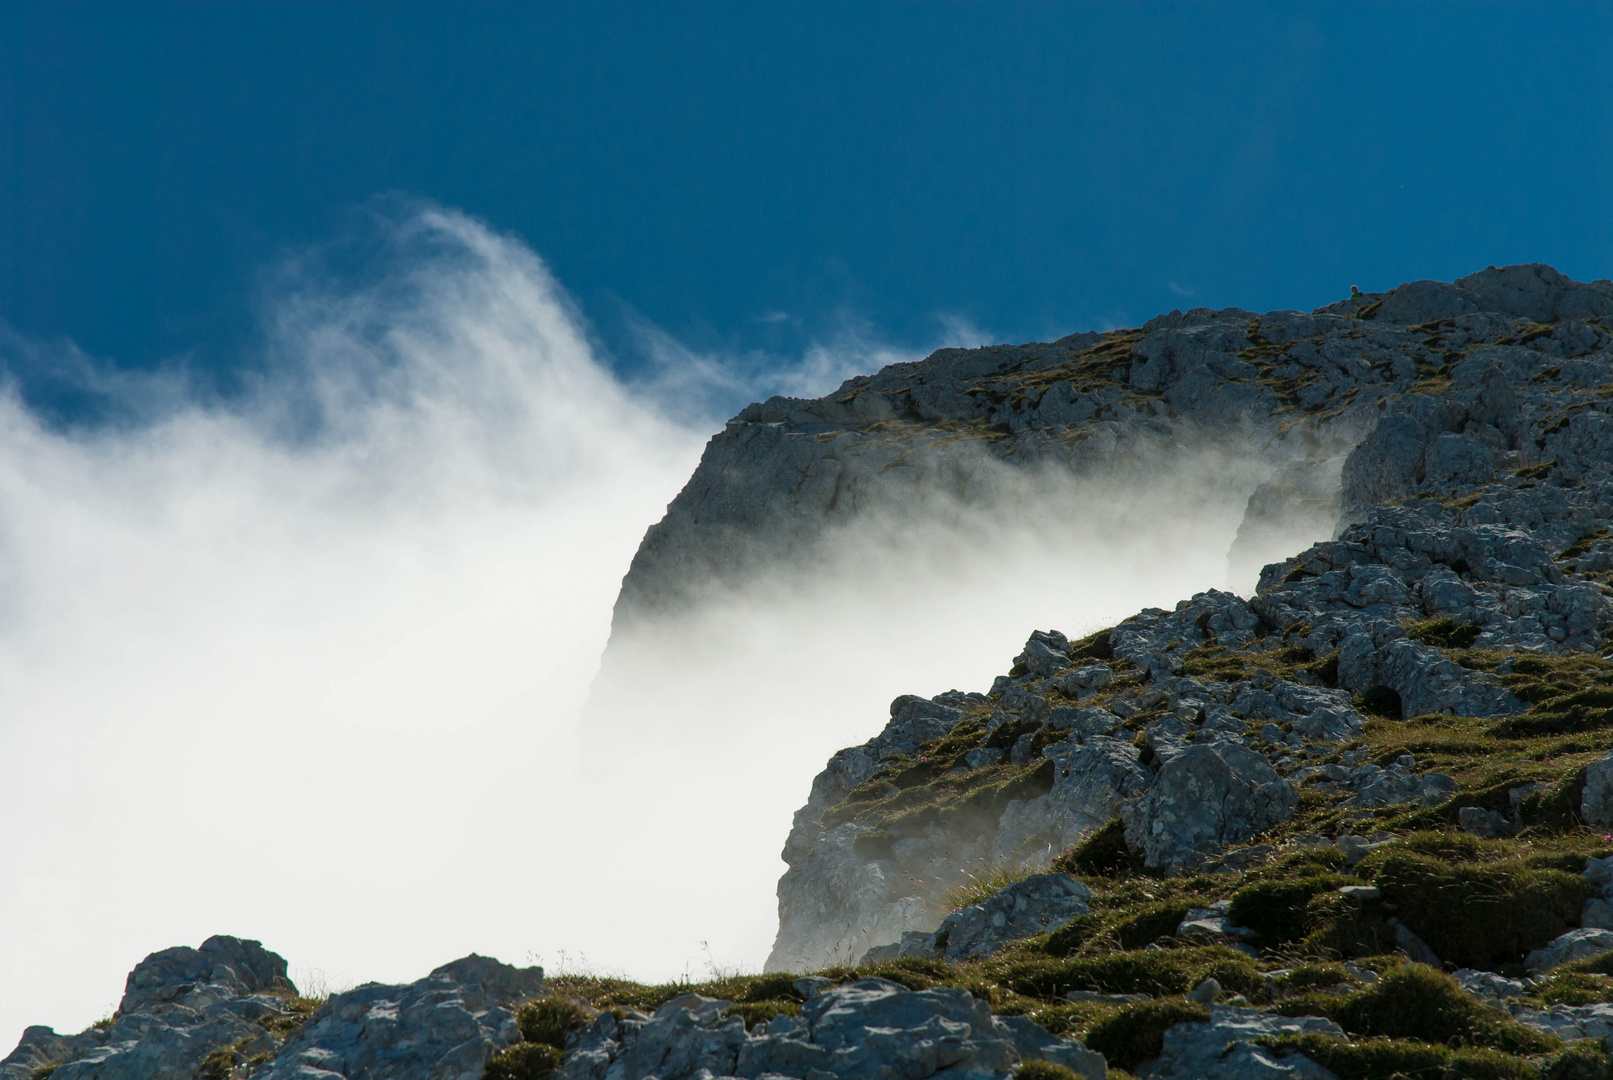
307	668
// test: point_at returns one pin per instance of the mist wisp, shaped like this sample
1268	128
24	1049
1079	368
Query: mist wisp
308	667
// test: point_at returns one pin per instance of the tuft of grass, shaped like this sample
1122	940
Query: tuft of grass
1136	1033
524	1061
1160	972
977	888
1043	1070
1586	1059
549	1020
1444	633
1102	854
755	1012
1381	1059
295	1012
1417	1002
1479	915
1276	910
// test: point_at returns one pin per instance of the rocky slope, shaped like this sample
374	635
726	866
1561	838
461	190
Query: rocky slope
1354	825
1485	459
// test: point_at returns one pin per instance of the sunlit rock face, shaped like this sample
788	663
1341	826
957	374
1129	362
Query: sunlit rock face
1447	444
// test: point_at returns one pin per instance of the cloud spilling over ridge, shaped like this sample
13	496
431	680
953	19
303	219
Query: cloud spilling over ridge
306	668
307	665
728	708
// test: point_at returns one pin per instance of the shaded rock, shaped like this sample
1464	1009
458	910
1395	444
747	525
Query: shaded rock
445	1025
1225	1049
1581	944
1209	797
234	965
1040	903
1483	823
1596	804
1091	781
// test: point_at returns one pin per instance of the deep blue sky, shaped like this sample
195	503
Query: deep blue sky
1035	168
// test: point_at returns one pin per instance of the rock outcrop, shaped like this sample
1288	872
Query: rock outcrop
1473	539
872	1028
227	1010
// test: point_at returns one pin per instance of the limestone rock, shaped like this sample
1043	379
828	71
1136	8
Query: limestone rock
1225	1049
447	1024
1596	804
1575	945
1208	798
1040	903
868	1029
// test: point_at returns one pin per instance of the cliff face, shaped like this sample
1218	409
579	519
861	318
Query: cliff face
1485	438
1293	390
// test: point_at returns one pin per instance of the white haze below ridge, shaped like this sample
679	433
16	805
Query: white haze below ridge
323	690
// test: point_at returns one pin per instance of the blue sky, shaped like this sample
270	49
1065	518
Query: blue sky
748	177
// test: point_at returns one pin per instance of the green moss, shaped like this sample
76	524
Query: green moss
525	1061
1135	1034
1480	916
44	1071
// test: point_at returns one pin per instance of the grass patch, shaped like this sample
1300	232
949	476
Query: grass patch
1043	1070
1159	972
1479	915
1137	1033
549	1020
1444	633
524	1061
1417	1002
1384	1059
1276	910
979	888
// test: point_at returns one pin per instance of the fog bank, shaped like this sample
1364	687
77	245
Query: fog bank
308	666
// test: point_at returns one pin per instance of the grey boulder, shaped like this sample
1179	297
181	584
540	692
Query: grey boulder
1207	798
1040	903
1225	1048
